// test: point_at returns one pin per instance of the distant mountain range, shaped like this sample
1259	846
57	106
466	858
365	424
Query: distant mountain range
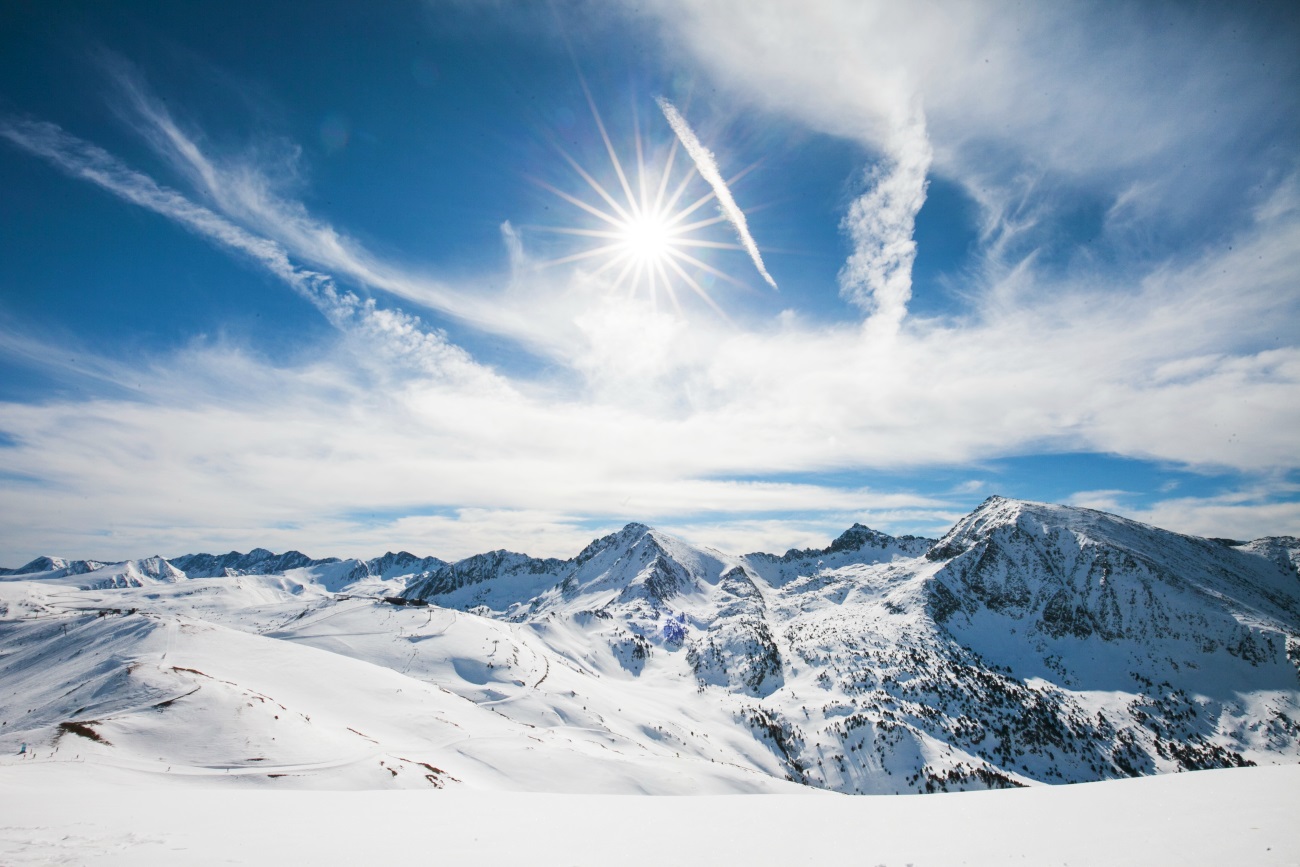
1033	643
258	561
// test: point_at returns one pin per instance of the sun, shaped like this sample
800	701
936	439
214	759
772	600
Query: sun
647	238
644	231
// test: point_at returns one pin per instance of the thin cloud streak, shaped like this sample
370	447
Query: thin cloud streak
401	335
244	194
707	166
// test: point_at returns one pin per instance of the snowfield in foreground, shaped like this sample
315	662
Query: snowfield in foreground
68	814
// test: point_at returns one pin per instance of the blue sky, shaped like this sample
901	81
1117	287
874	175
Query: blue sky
323	277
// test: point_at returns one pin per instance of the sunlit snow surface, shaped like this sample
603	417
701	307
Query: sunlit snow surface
1032	644
68	814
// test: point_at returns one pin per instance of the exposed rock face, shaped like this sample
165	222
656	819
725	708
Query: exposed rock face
494	566
396	565
258	561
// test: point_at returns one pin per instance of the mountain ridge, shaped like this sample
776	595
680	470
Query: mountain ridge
1032	643
1284	550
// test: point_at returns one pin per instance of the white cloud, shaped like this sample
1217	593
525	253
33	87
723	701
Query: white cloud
1064	85
878	274
1111	500
1267	508
778	535
1224	517
198	455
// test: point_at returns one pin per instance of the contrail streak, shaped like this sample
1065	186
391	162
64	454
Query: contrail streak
708	169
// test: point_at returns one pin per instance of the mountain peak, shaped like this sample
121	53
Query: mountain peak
626	537
54	564
41	564
998	512
859	535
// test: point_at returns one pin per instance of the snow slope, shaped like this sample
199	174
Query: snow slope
309	691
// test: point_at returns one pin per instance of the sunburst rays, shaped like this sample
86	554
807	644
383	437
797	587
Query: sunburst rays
645	232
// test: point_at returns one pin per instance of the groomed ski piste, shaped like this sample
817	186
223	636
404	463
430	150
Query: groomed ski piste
1042	685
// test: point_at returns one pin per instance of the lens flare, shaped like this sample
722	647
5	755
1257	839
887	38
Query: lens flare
642	231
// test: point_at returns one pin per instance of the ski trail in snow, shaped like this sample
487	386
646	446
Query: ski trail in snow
232	770
170	630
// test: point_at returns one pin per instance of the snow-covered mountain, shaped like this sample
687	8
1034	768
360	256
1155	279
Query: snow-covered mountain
258	561
93	575
401	565
332	571
1033	643
48	566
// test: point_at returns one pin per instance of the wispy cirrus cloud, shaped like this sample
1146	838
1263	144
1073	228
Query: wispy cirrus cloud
247	192
226	442
400	335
